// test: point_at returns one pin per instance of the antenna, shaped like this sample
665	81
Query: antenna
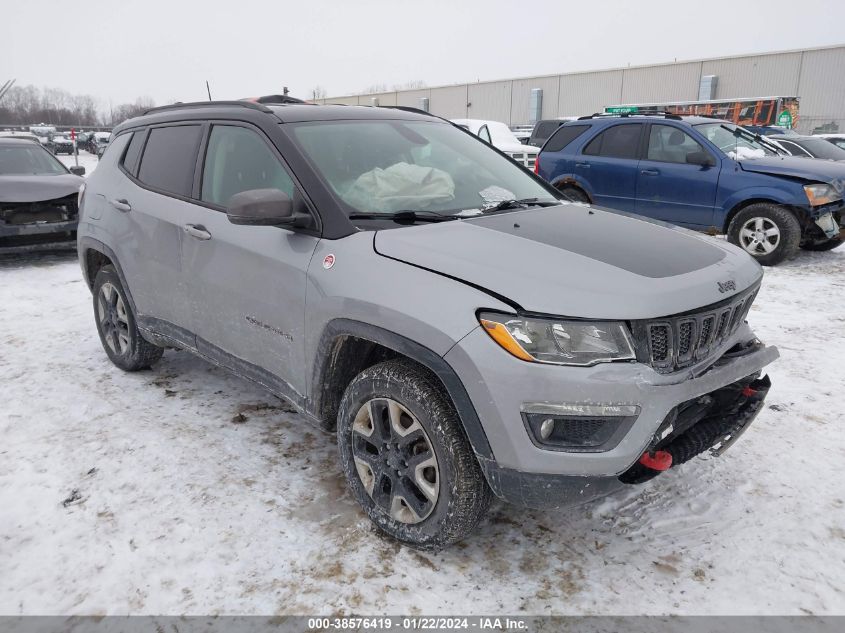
208	88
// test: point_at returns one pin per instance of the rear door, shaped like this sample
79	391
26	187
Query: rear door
246	287
671	189
607	165
148	211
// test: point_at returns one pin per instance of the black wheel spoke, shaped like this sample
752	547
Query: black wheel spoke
381	420
414	437
414	497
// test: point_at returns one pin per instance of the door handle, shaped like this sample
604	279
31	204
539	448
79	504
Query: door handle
583	165
198	231
650	172
121	205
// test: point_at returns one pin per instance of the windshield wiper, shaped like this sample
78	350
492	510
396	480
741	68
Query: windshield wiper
739	131
519	204
405	216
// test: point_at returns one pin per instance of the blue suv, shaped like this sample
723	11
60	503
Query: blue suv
701	173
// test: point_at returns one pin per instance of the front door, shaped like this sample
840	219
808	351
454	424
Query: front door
670	188
247	283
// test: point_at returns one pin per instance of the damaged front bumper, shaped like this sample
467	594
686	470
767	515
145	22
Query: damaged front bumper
525	472
38	226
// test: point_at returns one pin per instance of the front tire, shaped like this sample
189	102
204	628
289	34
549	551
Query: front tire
117	327
768	232
406	458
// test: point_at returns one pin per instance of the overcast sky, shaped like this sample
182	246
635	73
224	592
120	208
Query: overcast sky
120	49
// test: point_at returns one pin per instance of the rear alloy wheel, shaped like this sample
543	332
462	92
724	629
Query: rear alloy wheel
767	232
406	457
116	325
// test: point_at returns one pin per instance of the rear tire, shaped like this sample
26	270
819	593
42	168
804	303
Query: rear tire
574	194
117	327
768	232
400	438
825	245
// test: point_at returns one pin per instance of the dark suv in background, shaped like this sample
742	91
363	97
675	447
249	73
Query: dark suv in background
701	173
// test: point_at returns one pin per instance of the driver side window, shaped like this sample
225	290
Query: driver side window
669	144
238	159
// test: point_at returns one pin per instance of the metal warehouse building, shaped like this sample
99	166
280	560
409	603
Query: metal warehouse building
816	76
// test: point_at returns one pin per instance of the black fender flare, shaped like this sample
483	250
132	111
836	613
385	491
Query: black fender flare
85	244
415	351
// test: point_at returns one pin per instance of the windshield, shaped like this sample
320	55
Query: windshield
31	159
821	148
390	166
737	143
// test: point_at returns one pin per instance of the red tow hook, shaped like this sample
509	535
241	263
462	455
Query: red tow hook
748	391
659	460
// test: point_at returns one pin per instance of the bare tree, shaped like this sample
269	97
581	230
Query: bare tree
318	92
414	84
375	88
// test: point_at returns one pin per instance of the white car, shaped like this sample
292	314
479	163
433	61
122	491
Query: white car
500	136
836	139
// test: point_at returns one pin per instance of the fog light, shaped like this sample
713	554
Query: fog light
577	427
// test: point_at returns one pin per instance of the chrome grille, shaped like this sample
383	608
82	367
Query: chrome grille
525	158
676	342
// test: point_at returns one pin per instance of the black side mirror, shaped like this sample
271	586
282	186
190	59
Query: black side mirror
262	207
700	158
77	170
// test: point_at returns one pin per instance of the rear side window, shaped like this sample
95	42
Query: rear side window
133	152
544	129
564	136
619	141
170	157
239	160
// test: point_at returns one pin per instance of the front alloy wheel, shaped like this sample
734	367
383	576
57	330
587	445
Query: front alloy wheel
395	460
759	236
406	456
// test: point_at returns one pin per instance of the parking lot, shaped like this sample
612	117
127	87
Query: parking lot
186	490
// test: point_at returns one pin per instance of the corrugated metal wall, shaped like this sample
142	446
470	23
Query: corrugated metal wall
815	75
758	76
672	82
822	89
449	102
585	93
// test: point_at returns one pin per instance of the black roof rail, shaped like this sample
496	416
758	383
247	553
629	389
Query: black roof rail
210	104
597	115
412	110
276	100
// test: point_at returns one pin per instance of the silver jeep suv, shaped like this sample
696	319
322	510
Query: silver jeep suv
463	331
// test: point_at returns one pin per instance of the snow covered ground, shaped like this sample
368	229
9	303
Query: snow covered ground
183	490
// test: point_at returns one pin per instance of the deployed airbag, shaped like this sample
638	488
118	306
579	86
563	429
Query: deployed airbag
399	187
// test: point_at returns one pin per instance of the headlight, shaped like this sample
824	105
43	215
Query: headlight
821	194
559	342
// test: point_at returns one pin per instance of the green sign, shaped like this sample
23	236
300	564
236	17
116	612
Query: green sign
785	120
621	109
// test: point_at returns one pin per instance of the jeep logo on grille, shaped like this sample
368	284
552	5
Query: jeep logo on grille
726	285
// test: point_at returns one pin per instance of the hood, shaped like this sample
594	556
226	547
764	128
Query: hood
797	167
578	261
517	148
23	188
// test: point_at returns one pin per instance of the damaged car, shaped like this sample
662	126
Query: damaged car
461	330
702	174
38	198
